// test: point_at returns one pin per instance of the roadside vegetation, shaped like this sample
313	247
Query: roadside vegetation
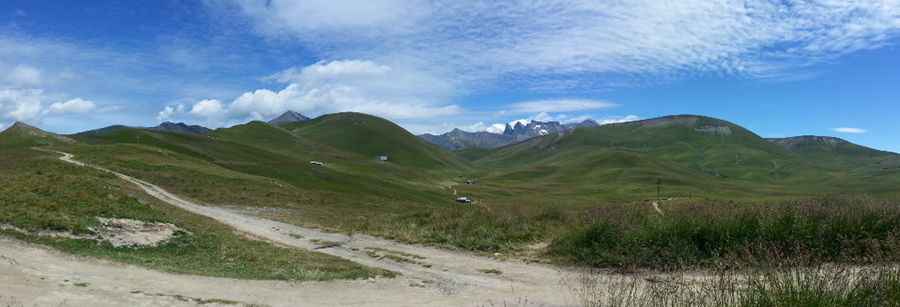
859	231
824	286
40	194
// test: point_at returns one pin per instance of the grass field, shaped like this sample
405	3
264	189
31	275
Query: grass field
690	235
40	193
731	197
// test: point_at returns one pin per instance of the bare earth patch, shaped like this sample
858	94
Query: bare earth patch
118	232
134	233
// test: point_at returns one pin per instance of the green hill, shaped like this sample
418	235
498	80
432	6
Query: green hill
271	138
523	192
372	136
23	135
691	155
262	150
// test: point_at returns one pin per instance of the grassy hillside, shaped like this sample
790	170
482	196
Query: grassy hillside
23	135
692	156
371	136
42	194
543	189
261	150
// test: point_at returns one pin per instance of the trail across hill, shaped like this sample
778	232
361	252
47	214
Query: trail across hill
430	276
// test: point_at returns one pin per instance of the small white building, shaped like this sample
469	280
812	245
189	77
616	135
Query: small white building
317	163
383	158
464	200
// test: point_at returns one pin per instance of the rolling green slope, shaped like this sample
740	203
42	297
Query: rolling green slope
523	192
23	135
371	136
41	194
692	155
258	149
275	139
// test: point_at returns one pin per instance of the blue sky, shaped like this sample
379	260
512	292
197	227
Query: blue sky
780	68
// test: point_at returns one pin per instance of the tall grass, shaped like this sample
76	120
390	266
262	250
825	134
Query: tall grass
467	227
824	286
703	235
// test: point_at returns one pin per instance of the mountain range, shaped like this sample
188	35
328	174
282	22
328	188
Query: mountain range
459	139
692	155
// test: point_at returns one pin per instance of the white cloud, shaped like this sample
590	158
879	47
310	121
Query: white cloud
556	39
342	70
28	105
24	76
481	126
496	128
76	105
21	104
338	86
850	130
618	120
207	108
169	112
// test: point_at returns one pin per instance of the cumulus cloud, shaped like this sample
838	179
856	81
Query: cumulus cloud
207	108
168	112
21	104
76	105
496	128
337	86
28	105
850	130
481	126
617	119
561	38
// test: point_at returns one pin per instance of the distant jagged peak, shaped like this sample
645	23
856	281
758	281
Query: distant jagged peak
288	117
508	130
